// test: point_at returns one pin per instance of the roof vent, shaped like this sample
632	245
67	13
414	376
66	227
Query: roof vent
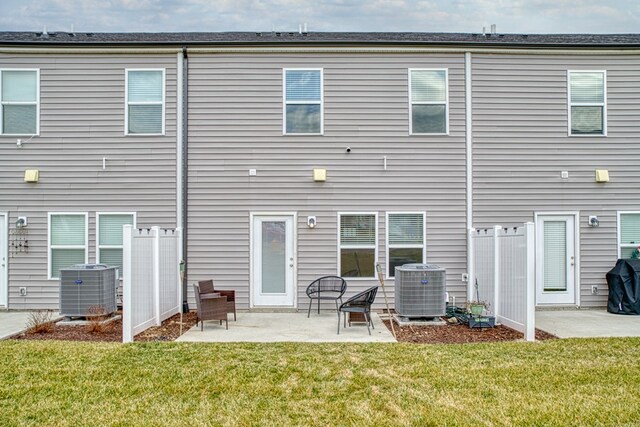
278	34
89	34
258	34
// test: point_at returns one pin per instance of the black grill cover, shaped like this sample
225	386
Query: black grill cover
624	287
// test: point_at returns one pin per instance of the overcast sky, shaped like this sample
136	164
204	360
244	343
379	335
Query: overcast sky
511	16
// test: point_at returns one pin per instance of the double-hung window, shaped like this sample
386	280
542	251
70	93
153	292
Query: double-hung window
19	102
429	101
109	237
629	233
145	103
587	102
405	240
358	237
303	96
67	241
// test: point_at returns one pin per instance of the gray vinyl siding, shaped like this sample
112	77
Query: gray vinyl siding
235	124
521	146
82	121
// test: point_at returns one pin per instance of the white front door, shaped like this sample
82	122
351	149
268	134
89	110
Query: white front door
273	261
4	261
555	259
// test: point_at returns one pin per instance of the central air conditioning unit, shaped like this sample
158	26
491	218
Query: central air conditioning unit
85	287
420	290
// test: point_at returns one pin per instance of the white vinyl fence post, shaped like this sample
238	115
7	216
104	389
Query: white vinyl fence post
530	333
472	264
496	269
179	278
155	231
127	321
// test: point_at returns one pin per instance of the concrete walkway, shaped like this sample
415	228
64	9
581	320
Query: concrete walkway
587	324
12	323
288	327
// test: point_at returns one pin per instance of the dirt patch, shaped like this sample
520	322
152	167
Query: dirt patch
459	334
112	332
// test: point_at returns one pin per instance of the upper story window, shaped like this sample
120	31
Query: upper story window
19	102
629	234
587	102
429	101
303	98
405	240
145	102
68	240
109	237
357	246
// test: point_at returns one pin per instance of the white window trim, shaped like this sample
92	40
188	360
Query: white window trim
414	246
100	246
50	247
285	102
445	103
587	104
374	247
619	232
127	103
37	103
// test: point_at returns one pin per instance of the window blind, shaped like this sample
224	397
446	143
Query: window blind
19	86
428	86
145	86
357	230
630	229
587	87
303	85
555	255
406	229
110	232
68	230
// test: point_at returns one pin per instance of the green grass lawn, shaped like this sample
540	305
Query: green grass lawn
557	382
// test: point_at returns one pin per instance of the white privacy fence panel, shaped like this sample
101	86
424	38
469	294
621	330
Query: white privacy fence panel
503	263
151	280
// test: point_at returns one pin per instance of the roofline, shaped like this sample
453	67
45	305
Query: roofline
323	48
306	42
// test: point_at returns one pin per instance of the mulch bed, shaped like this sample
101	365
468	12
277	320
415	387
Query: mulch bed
459	334
112	332
170	331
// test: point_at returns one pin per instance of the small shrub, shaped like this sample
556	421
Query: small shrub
40	322
96	315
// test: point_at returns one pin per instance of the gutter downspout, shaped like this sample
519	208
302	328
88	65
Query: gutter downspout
184	167
469	171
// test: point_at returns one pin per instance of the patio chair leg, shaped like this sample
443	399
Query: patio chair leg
201	326
234	314
368	321
227	324
318	305
345	320
371	321
309	311
338	323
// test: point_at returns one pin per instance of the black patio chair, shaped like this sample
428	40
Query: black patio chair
359	303
326	288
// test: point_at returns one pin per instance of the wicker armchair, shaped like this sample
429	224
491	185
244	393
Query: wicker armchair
210	307
359	303
207	287
326	288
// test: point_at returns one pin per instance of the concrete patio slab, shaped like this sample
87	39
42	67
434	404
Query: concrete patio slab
288	327
587	324
12	323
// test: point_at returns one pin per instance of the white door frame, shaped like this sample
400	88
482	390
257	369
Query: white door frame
294	217
4	259
576	241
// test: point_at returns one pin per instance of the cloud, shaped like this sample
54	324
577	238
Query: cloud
514	16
